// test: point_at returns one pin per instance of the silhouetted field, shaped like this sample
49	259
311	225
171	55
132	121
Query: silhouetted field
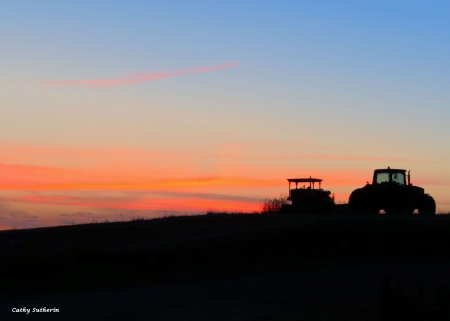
100	255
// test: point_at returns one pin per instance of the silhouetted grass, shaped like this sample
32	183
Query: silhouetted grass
271	205
87	256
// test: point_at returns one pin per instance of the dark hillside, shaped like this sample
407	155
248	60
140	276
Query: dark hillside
114	254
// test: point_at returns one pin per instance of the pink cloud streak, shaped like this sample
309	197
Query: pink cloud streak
136	78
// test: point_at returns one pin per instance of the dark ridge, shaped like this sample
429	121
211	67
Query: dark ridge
98	255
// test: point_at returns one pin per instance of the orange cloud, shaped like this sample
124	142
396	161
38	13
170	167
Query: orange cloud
136	78
26	177
70	170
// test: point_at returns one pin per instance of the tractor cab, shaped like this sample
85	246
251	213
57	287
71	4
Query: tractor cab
397	176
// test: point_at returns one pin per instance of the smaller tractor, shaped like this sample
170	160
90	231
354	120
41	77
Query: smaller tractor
391	190
308	198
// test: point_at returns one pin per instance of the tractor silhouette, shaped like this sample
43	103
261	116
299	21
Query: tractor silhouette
308	198
391	191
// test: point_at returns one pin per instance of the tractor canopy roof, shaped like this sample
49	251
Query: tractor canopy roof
309	180
304	180
389	170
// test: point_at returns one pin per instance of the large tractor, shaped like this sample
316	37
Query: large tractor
309	198
391	191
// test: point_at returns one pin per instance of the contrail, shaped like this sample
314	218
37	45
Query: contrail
136	78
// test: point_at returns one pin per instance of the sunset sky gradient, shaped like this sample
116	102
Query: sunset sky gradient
113	110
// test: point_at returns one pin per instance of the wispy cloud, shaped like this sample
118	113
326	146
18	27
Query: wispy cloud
136	78
128	200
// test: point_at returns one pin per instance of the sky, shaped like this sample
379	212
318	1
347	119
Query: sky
114	110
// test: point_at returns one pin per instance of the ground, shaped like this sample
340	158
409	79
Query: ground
222	267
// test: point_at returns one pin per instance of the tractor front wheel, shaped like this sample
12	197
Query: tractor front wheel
402	205
285	208
355	201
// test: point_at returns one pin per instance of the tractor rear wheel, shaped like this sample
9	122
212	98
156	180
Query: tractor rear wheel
361	203
427	205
